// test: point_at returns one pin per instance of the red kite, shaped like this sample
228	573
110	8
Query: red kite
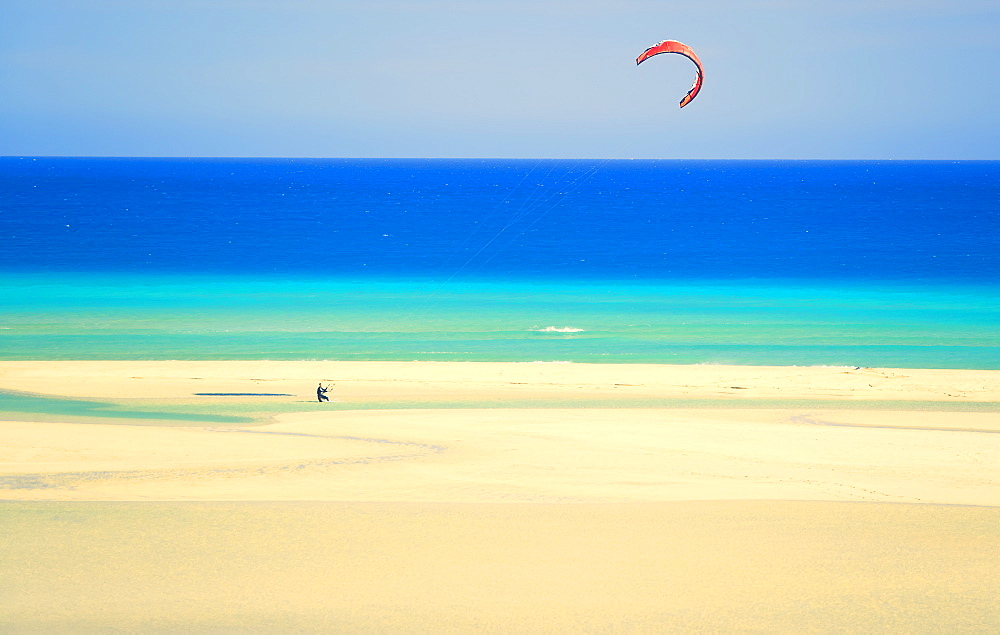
673	46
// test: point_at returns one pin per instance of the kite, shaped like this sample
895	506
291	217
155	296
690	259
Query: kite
673	46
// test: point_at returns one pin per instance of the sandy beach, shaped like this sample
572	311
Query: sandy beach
502	497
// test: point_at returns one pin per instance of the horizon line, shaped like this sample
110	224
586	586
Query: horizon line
458	158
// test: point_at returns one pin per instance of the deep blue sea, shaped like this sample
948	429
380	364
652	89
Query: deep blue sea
855	263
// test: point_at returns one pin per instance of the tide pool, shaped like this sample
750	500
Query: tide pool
18	406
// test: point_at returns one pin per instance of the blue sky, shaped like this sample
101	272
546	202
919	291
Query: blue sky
818	79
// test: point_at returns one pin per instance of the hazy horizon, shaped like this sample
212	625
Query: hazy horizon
830	80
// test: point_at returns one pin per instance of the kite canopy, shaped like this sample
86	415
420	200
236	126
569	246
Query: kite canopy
673	46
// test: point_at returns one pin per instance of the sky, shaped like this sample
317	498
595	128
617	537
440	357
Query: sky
784	79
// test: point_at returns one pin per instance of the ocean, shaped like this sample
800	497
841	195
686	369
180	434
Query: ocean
844	263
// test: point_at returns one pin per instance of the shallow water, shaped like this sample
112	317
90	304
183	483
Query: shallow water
17	406
107	316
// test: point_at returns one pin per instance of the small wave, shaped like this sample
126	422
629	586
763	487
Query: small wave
558	329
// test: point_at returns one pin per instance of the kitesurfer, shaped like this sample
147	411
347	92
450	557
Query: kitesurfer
321	393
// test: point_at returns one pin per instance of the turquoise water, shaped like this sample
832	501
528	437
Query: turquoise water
21	406
160	316
846	263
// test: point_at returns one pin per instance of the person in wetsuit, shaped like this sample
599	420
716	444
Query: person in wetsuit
321	393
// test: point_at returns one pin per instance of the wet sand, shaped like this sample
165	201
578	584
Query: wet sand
751	498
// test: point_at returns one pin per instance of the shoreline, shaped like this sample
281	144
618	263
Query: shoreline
170	379
468	432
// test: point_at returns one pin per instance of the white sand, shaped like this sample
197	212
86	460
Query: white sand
792	515
499	568
365	382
